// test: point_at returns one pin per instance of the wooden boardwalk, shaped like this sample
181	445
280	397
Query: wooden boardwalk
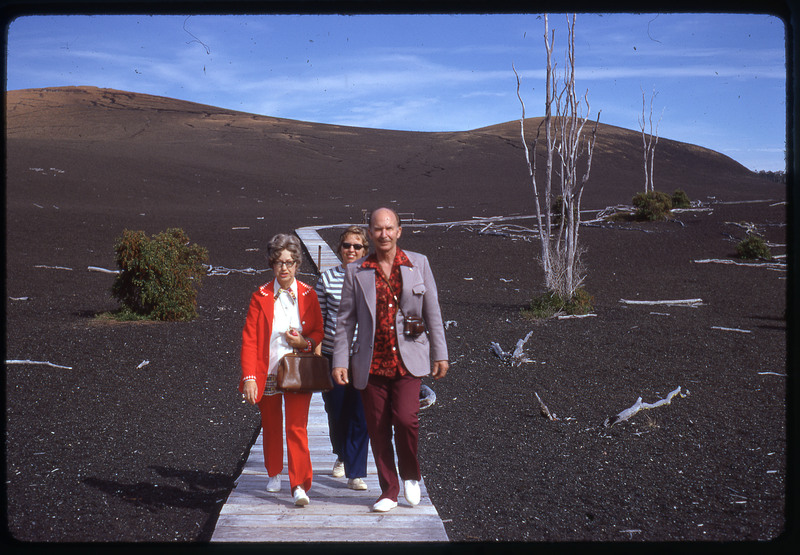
321	254
336	513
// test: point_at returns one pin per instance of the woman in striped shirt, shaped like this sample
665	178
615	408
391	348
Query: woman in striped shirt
346	425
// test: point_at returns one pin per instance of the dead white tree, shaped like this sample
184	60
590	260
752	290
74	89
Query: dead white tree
561	253
649	141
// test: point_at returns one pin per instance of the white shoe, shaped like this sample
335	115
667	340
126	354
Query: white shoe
300	497
411	491
384	505
274	483
357	484
338	469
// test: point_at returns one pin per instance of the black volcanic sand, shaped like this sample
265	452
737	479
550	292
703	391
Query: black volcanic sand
109	451
112	449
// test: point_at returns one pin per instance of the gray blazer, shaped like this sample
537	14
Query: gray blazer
419	298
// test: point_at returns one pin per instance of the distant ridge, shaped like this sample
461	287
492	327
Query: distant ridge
194	147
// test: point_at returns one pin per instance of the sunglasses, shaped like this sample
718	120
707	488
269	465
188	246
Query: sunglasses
352	245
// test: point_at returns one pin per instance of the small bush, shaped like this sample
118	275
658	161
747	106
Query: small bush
754	247
159	275
652	206
618	217
680	199
550	304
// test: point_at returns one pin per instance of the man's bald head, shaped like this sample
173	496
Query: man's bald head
382	212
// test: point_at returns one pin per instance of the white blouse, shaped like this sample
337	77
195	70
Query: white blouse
286	315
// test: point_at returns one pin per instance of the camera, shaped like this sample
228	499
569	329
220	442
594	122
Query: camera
413	326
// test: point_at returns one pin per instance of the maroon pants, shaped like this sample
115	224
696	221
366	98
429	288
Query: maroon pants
393	403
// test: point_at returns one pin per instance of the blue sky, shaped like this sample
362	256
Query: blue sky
720	78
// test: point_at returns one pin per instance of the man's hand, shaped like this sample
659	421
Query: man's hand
440	368
340	375
250	391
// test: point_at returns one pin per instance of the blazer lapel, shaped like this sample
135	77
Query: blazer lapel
366	281
269	304
411	277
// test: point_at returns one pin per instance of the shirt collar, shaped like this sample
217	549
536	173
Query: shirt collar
293	287
400	259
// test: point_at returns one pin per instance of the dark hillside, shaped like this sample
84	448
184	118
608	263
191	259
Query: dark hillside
103	447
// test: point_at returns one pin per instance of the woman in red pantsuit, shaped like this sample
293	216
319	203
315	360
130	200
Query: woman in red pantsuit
284	315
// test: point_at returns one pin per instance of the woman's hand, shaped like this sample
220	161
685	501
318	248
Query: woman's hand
250	391
296	340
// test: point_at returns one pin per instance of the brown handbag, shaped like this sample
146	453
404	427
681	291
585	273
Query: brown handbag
304	373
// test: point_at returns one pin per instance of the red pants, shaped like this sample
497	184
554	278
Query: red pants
393	403
299	457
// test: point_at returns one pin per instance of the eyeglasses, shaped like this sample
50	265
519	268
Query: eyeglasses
356	246
287	263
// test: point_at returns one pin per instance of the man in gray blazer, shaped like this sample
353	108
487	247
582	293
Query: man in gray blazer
383	294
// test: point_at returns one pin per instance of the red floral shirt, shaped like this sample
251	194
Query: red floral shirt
386	359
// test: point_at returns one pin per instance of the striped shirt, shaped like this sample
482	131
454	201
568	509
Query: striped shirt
329	291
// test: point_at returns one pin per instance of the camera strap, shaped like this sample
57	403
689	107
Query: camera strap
391	290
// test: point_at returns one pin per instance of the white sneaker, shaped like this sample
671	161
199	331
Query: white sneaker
300	497
411	491
357	484
338	469
274	483
384	505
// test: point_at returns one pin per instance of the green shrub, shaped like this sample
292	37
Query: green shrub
680	199
652	206
754	247
159	275
550	303
617	217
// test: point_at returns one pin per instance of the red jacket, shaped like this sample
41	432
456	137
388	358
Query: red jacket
258	329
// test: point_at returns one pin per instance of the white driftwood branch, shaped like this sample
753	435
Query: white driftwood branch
569	316
770	265
222	271
516	357
543	410
682	210
730	329
143	364
102	270
52	267
520	344
38	362
750	227
693	303
639	405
